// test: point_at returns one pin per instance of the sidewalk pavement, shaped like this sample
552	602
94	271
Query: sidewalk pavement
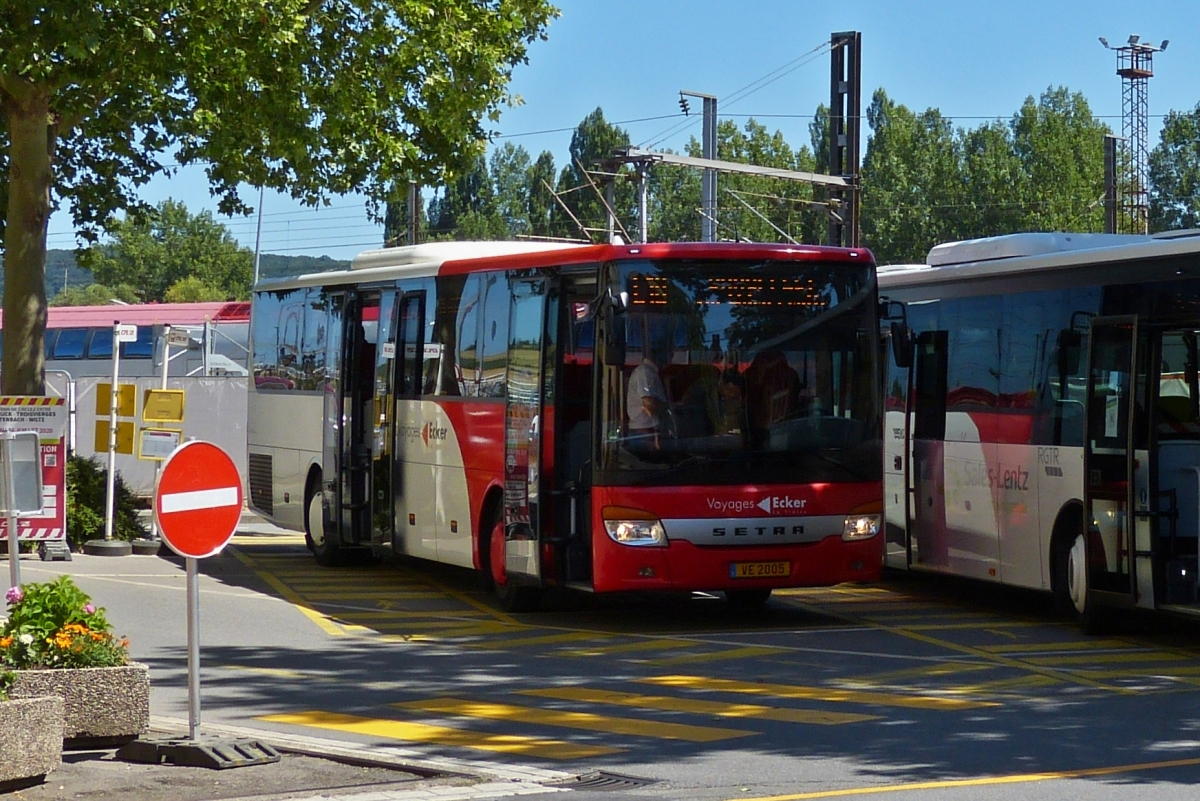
310	769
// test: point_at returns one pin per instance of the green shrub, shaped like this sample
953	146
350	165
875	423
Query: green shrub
54	624
86	496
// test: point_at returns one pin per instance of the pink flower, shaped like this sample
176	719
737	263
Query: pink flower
89	608
14	595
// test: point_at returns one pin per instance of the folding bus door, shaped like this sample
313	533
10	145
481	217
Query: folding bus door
1115	461
523	423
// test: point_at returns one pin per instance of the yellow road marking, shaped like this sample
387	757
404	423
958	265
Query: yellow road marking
443	735
350	594
545	639
698	707
997	659
1074	645
814	693
628	647
285	592
1020	778
716	656
1028	680
1172	671
574	720
455	616
978	624
926	671
1105	658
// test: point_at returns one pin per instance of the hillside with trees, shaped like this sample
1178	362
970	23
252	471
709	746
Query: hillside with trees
924	181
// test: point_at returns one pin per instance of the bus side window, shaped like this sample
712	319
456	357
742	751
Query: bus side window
70	343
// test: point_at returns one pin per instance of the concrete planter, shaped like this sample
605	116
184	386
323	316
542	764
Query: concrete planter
31	733
108	704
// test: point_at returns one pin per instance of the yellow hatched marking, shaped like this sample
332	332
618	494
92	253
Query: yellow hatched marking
443	735
628	647
255	540
1020	778
574	720
455	616
699	707
978	624
814	693
1074	645
464	631
1174	671
546	639
378	595
1024	682
1102	658
397	622
926	671
322	621
717	656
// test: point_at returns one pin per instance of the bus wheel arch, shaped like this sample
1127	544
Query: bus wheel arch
512	597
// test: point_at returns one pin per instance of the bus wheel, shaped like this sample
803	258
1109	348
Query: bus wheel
747	599
324	549
1073	585
513	598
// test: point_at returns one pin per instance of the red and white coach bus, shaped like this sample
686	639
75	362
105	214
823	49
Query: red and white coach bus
1046	433
671	417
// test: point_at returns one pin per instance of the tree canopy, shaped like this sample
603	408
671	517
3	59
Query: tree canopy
310	97
158	250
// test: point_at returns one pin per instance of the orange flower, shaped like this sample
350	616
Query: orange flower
5	642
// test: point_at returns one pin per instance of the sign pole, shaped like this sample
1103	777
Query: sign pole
166	363
10	507
110	482
193	636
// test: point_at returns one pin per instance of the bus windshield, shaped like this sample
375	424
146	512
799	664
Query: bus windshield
742	372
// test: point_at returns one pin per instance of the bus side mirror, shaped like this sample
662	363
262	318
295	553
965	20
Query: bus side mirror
614	339
902	346
1070	349
612	318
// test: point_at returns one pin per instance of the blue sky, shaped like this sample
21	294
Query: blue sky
973	61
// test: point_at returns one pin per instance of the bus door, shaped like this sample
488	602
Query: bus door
927	540
523	426
1115	462
574	399
383	420
358	349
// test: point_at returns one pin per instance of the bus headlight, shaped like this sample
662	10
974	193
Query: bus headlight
633	527
861	527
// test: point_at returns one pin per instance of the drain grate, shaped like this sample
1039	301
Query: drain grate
601	780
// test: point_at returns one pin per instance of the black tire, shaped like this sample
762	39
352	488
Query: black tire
747	599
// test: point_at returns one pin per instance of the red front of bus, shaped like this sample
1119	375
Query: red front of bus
737	436
729	538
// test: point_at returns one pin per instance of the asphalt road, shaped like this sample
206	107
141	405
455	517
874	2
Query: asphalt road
916	687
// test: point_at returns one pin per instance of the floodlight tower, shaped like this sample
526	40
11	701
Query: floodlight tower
1135	65
708	184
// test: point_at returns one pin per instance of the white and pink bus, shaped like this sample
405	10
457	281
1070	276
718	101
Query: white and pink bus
660	417
1042	427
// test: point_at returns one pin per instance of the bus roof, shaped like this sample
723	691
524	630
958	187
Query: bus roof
1015	254
456	258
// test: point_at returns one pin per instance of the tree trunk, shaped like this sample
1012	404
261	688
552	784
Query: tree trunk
27	111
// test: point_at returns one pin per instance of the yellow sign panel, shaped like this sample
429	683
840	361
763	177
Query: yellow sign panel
124	437
126	400
162	406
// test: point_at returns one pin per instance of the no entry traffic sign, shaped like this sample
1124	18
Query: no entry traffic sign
198	499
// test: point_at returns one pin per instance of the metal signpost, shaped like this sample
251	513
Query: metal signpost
197	506
20	453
